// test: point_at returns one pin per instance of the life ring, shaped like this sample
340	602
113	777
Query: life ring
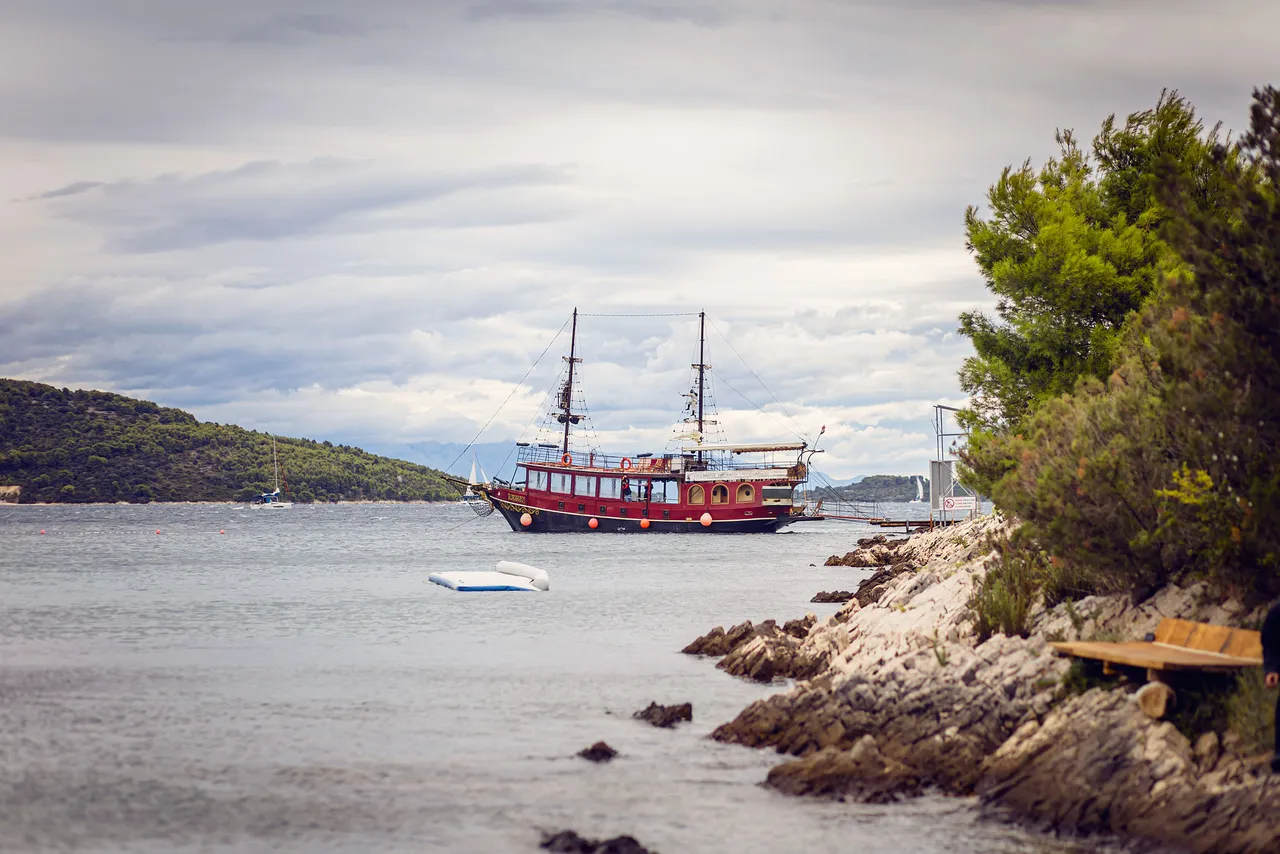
625	464
567	459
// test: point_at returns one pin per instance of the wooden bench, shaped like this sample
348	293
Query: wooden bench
1179	645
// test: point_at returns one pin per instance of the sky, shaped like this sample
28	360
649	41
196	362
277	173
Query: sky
365	221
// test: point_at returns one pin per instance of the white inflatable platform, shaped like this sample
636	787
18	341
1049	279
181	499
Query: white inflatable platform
507	576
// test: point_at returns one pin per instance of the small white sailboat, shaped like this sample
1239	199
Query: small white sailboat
272	500
471	497
919	499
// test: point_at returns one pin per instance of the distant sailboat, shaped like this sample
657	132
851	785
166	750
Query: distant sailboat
471	497
272	500
919	499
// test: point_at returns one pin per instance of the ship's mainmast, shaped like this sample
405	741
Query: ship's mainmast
566	396
702	369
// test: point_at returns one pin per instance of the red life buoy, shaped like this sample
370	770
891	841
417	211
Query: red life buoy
567	459
625	464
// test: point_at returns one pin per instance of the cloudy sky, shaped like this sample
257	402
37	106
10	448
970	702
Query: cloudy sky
363	221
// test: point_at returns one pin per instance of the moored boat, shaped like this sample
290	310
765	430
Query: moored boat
272	500
696	487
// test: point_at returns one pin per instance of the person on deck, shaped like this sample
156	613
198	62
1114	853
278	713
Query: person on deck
1271	666
626	489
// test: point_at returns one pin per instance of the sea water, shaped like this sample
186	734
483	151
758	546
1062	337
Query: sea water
293	684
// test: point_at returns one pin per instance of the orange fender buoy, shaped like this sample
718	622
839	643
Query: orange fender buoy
42	530
593	523
706	520
526	520
644	523
157	530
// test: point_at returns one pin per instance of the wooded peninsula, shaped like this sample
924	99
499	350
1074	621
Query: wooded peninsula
60	445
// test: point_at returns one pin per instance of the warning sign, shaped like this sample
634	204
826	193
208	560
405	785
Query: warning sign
959	502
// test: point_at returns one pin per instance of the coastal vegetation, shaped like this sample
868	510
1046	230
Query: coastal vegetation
876	487
60	445
1125	400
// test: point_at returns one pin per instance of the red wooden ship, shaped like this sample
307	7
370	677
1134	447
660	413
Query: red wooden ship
698	487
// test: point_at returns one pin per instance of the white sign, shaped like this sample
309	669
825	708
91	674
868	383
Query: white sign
959	502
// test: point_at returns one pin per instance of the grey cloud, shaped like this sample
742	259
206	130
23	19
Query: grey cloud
268	200
72	189
703	15
284	29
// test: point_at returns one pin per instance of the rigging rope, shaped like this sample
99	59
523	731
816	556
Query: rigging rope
758	406
667	314
509	396
798	428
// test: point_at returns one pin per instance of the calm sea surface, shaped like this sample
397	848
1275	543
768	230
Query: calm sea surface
294	684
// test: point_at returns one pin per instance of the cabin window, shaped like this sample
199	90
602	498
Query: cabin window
665	492
745	494
666	514
538	480
603	510
584	485
719	494
610	487
776	493
582	508
697	495
561	482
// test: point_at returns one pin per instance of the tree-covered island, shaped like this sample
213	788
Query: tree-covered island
60	445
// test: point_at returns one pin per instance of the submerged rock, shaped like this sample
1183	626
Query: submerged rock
569	842
840	596
665	716
598	752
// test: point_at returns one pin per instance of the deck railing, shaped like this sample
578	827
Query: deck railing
711	461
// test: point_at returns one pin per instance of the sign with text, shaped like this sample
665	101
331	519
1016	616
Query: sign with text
959	503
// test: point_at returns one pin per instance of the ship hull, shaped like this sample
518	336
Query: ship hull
543	521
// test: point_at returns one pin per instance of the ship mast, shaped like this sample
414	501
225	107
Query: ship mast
566	397
702	368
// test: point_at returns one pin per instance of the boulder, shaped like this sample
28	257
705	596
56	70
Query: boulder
665	716
840	596
598	752
719	642
861	773
569	842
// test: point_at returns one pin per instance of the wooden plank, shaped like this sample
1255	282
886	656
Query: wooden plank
1155	656
1244	643
1226	640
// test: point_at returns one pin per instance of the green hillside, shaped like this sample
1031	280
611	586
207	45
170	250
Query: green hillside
877	487
62	445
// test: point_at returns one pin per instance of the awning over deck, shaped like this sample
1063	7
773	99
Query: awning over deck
749	449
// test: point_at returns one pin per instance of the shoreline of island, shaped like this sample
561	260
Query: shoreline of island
897	695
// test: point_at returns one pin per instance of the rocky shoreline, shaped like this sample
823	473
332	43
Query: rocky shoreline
896	696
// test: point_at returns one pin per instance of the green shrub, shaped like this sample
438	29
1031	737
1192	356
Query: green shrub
1002	600
1251	712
